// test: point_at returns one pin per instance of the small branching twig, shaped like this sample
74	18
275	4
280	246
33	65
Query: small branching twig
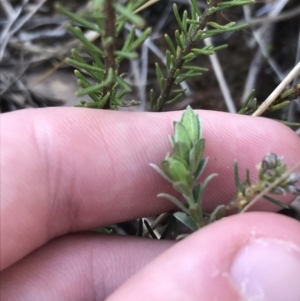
109	42
191	32
108	19
183	167
104	69
284	99
276	93
181	57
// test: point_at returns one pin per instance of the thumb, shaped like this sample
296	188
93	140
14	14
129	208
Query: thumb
252	256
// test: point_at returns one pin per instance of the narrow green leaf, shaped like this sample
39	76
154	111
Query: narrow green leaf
126	55
95	88
171	139
121	21
202	51
152	104
181	134
181	150
248	180
195	8
183	188
159	74
161	172
186	220
247	100
178	40
213	32
192	74
104	100
183	77
178	90
176	169
218	213
178	19
99	104
198	36
192	26
195	155
174	200
129	39
208	179
177	73
82	84
202	188
76	31
221	47
276	202
77	56
76	18
218	26
168	60
279	106
173	61
289	123
83	65
132	17
184	19
97	59
81	77
195	68
109	77
236	176
196	192
189	57
174	99
171	45
123	83
162	83
227	4
141	39
97	74
191	122
107	42
98	4
201	168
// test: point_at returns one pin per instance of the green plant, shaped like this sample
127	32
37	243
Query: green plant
99	77
109	86
108	20
185	164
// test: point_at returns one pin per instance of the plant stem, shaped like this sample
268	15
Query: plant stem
270	187
265	105
110	32
164	95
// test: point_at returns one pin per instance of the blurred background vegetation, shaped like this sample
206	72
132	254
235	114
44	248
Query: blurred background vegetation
35	44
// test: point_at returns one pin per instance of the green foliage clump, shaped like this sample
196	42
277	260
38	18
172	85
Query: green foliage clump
109	18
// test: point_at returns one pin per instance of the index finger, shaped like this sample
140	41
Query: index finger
66	170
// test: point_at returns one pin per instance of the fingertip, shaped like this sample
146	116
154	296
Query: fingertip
212	263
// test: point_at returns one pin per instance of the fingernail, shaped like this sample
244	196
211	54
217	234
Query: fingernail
267	270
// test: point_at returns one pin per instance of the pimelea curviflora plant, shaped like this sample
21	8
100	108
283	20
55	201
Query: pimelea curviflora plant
185	164
99	76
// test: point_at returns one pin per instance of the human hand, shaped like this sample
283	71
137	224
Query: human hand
67	170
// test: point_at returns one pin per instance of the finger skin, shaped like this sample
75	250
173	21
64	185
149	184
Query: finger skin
67	170
198	268
91	267
78	267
